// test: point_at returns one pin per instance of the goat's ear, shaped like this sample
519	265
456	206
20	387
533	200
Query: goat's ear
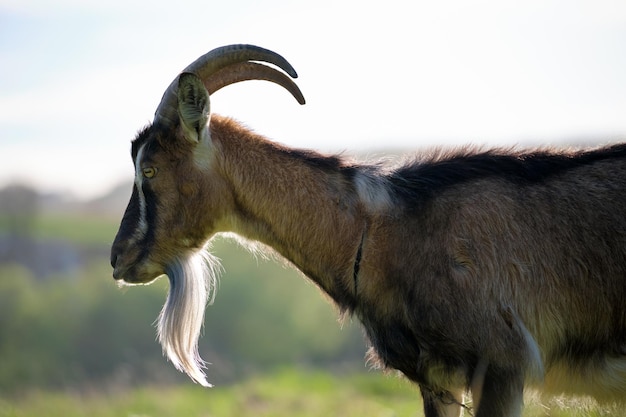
193	106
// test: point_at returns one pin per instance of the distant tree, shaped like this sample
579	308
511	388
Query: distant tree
18	209
18	212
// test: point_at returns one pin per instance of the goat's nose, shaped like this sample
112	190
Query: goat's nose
113	259
117	272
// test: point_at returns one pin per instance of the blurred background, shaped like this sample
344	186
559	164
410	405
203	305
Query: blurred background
78	79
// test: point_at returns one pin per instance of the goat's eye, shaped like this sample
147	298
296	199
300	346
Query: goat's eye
149	172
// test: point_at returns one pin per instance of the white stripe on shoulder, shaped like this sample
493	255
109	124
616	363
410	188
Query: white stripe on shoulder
373	191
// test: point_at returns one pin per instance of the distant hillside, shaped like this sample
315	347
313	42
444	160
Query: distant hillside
17	200
112	203
56	234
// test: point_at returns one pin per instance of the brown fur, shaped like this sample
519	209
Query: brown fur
469	270
276	218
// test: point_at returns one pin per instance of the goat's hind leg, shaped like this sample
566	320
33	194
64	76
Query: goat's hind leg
500	394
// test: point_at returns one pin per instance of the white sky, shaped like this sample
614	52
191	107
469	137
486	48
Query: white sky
79	78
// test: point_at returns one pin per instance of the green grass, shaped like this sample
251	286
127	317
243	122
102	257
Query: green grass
287	393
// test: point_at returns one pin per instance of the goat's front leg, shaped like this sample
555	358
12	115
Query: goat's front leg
446	404
500	394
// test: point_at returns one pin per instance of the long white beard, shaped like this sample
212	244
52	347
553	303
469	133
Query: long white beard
193	281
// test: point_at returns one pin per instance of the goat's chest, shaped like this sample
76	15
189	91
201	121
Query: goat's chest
396	345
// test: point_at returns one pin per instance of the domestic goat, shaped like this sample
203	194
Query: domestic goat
472	271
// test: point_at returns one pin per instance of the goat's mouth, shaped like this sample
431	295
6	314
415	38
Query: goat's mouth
132	275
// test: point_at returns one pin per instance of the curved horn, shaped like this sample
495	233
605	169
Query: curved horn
244	71
217	61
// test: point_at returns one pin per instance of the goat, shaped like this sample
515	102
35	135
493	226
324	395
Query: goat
470	270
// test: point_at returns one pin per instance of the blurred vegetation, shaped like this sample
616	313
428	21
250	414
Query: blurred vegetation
282	393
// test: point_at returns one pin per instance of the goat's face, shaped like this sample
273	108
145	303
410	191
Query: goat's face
173	160
161	223
176	195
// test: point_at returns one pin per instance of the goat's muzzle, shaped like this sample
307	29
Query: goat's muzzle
128	269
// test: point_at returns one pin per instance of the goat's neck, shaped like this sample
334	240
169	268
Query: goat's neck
308	213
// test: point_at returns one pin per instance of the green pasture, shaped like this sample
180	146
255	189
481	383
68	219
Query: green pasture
286	393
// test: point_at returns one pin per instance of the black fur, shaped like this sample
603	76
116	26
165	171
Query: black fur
416	182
